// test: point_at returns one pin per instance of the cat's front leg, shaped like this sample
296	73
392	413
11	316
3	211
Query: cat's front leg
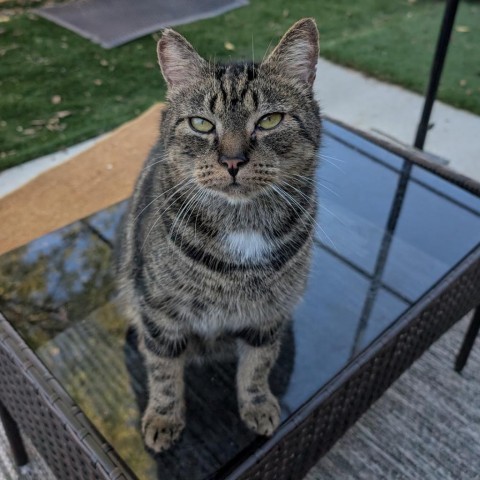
259	409
164	418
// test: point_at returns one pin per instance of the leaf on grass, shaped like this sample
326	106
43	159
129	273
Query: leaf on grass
462	29
63	113
229	46
56	99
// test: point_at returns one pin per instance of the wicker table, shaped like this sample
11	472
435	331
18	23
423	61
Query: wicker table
396	263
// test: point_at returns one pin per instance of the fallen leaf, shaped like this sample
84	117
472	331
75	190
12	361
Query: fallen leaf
63	113
462	29
56	99
97	81
30	131
103	62
462	82
229	46
4	19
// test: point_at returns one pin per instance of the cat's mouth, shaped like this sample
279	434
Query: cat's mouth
235	190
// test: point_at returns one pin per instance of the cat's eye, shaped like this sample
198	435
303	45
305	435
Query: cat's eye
201	125
267	122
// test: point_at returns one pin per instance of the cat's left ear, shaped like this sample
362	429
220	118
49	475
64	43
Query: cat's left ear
297	53
179	62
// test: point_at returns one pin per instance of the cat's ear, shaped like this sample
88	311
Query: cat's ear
179	62
296	54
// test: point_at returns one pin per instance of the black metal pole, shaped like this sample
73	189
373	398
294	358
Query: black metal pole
14	438
468	341
436	72
382	257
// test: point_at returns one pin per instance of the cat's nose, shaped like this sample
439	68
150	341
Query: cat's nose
233	164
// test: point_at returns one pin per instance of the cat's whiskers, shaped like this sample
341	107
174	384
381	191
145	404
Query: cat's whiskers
314	182
192	204
321	206
328	189
308	215
297	190
267	50
159	216
317	179
280	191
253	56
323	157
332	158
182	211
160	160
205	194
163	193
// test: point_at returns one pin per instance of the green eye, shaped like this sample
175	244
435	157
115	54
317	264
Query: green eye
270	121
201	125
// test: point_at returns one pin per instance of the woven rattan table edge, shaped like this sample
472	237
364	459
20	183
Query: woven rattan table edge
104	460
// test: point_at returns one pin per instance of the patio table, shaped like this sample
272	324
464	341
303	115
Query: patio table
396	263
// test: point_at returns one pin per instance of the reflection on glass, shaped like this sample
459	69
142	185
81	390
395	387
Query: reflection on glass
388	233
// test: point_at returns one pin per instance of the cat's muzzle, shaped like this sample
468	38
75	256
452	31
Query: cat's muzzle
233	164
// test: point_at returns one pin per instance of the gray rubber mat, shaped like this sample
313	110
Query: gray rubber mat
114	22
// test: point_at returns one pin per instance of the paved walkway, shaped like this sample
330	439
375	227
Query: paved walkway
360	101
394	113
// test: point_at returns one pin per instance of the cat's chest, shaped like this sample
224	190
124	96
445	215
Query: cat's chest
246	245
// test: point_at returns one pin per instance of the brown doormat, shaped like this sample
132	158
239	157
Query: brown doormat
90	181
113	22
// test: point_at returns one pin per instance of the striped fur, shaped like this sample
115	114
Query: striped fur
205	266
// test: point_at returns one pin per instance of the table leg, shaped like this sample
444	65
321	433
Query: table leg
468	341
14	438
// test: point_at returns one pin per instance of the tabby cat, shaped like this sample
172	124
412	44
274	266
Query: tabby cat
216	245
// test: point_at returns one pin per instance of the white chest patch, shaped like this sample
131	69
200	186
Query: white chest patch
247	245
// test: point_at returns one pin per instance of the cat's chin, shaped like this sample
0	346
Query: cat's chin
236	192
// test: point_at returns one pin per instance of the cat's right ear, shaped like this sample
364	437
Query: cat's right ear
179	62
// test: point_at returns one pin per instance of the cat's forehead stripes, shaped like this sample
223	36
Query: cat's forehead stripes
233	87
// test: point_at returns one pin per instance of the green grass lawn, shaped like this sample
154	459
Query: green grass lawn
58	88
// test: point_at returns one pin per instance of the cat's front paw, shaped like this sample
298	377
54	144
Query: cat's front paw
160	432
261	414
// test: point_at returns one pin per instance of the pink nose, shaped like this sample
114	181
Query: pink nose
233	164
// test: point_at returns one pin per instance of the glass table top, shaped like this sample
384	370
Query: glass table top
388	232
